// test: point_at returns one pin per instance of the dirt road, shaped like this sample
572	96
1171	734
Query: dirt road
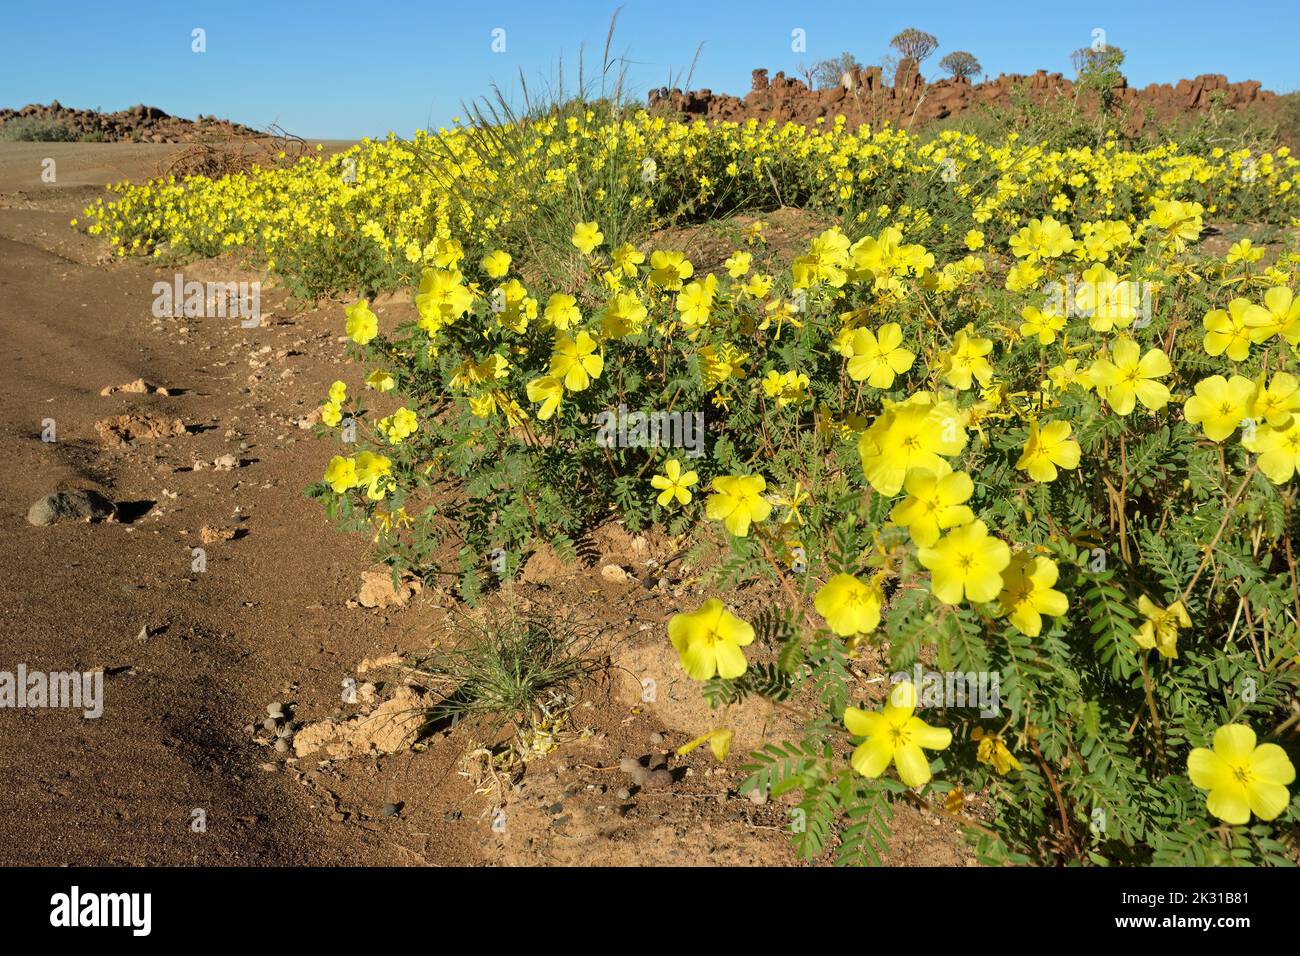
191	658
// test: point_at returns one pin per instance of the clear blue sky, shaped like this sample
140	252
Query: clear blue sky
347	69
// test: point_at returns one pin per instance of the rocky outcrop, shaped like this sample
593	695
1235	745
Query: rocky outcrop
139	124
862	97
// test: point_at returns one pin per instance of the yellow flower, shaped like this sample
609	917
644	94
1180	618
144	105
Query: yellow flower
496	264
877	357
894	735
362	324
1242	778
709	641
934	503
719	742
786	387
966	561
759	285
1042	239
910	434
1161	627
974	239
442	298
380	381
1047	449
399	426
374	473
1027	593
338	392
1230	332
1180	221
331	414
850	606
1278	448
548	390
994	752
562	311
669	270
586	237
738	264
1022	276
674	484
966	359
695	301
340	474
1069	373
1275	403
1279	316
738	500
576	361
1243	250
1220	404
623	315
626	258
1129	376
1042	324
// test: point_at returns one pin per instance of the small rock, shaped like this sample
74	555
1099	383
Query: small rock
613	572
659	779
121	429
757	796
392	809
656	738
138	387
632	767
377	588
624	793
275	709
78	505
282	745
211	535
270	724
658	760
225	463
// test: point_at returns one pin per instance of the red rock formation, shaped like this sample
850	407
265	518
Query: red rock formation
862	98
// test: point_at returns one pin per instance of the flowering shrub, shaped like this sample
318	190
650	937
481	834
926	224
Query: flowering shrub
1009	422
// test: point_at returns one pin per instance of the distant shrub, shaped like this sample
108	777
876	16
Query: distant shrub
33	129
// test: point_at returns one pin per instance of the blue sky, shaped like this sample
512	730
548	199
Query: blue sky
347	69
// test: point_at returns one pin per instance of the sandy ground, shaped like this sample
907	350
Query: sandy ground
192	658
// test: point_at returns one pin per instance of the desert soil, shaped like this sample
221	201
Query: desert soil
192	659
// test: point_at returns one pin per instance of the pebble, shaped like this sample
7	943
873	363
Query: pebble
624	793
275	709
282	745
757	797
392	809
656	738
269	724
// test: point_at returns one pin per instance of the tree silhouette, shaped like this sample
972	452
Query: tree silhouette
960	63
915	44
